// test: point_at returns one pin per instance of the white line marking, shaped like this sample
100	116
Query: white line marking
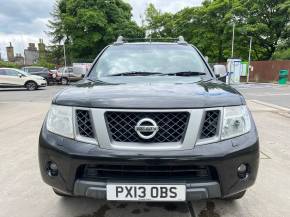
270	105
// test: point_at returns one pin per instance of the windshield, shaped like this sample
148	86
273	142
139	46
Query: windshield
61	69
148	59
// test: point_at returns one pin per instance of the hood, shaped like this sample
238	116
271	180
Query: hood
150	95
35	77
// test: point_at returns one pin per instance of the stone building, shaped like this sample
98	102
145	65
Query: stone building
31	54
19	59
10	53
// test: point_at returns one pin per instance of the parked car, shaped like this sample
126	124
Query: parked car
68	74
81	68
150	122
17	78
49	76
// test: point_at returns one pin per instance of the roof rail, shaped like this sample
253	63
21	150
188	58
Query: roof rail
180	40
120	40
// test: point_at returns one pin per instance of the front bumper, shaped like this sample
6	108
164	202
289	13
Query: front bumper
41	83
194	191
224	156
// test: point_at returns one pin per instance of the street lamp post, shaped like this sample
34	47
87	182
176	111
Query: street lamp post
249	62
64	55
233	39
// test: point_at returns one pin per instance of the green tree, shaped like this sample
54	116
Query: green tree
87	26
44	63
159	24
5	64
282	54
267	21
55	54
283	50
209	27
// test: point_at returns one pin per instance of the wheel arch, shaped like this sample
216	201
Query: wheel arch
30	81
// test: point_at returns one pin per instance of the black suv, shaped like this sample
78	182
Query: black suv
150	122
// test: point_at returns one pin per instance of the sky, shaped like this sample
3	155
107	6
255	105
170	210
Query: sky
24	21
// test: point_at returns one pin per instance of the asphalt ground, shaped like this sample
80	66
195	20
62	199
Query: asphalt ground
269	93
22	95
23	193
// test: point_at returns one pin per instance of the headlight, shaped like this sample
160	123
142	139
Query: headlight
236	121
59	121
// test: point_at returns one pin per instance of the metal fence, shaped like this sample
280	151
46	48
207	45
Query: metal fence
268	71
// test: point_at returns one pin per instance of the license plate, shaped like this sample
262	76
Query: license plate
139	192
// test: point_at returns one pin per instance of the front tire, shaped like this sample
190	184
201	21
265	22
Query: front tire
31	85
64	81
236	196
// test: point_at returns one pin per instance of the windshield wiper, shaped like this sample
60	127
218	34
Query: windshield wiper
89	79
136	73
96	81
185	73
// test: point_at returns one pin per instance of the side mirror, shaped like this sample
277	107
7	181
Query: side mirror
220	71
20	75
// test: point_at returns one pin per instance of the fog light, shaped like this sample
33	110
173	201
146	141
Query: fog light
52	169
243	171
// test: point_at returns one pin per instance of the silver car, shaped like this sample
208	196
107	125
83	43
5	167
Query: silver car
68	74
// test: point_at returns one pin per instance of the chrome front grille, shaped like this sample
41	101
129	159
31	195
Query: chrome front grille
172	126
177	129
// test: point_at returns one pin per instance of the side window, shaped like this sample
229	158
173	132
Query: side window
70	70
34	70
2	72
11	72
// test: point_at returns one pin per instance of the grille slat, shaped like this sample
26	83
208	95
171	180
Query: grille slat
210	124
84	123
172	126
145	172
